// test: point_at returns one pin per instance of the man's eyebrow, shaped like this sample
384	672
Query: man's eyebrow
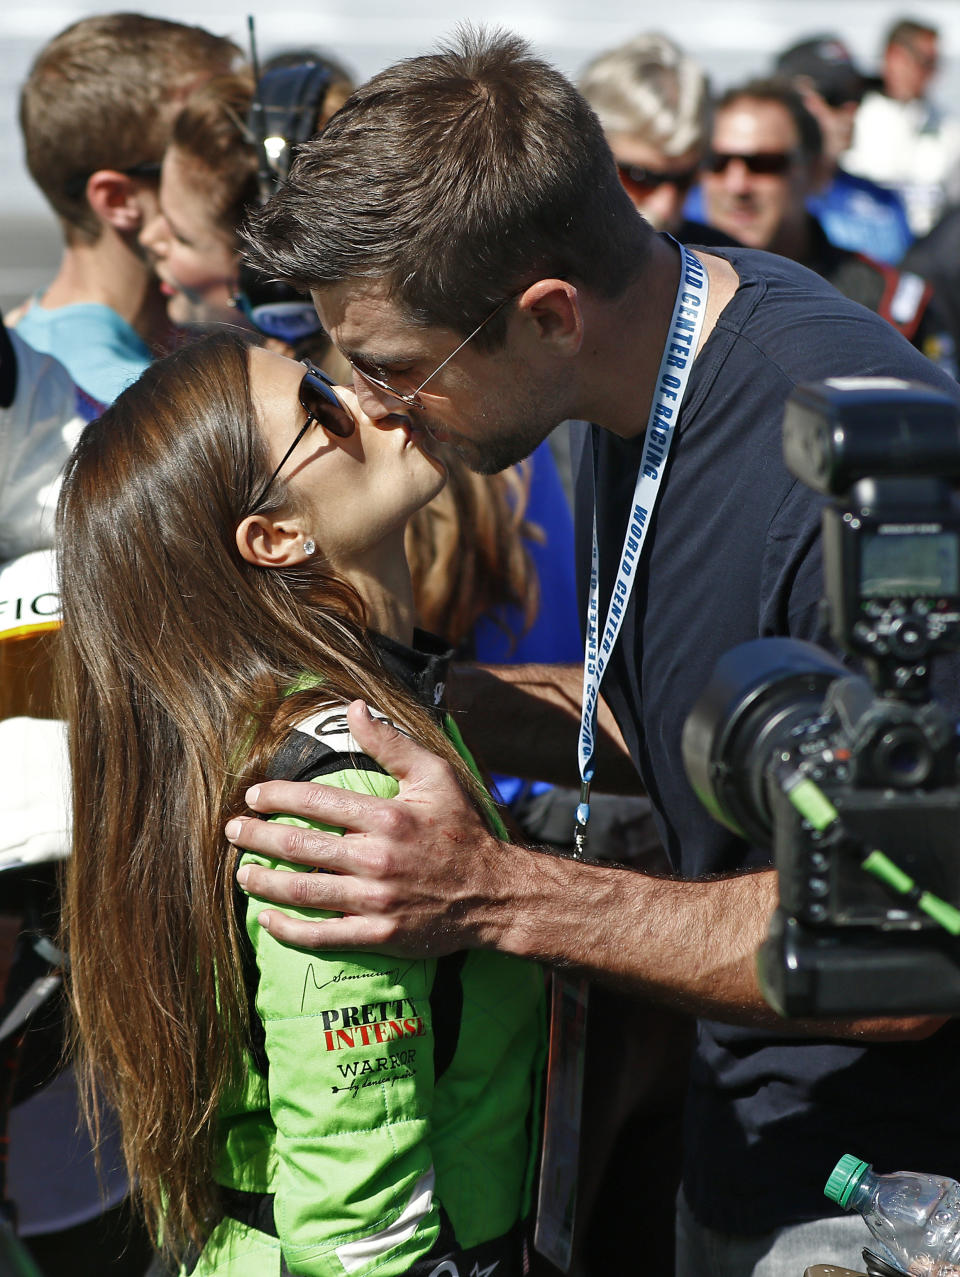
374	360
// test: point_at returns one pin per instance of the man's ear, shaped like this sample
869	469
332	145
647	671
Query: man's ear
553	306
114	198
267	544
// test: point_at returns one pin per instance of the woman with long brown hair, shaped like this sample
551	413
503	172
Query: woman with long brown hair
232	577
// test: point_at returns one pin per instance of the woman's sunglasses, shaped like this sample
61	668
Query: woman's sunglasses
318	400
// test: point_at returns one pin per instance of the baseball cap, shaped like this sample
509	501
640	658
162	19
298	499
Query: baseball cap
827	61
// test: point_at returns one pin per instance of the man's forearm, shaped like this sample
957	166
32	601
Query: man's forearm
691	945
688	944
524	721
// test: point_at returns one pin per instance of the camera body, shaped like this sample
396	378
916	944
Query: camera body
846	775
883	450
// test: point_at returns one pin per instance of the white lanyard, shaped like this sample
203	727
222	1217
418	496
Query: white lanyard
674	372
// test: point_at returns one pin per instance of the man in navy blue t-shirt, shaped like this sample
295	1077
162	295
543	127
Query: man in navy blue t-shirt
488	310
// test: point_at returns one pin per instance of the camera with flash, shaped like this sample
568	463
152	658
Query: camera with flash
852	775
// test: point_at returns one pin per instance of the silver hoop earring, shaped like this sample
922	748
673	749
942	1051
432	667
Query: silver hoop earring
309	546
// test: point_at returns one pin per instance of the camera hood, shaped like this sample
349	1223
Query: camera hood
758	692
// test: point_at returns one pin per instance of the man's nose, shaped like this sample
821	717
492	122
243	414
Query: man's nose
155	234
376	403
736	177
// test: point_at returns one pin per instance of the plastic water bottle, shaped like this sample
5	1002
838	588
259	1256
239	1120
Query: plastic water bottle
914	1218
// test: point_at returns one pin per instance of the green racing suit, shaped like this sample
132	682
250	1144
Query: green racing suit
388	1119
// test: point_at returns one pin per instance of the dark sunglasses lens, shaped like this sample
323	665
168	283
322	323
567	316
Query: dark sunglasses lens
646	180
638	178
761	163
325	408
768	163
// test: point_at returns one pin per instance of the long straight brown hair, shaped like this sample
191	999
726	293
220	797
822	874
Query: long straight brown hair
177	661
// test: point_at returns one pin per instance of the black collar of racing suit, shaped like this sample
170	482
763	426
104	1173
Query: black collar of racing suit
422	667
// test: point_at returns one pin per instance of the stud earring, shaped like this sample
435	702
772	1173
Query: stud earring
309	546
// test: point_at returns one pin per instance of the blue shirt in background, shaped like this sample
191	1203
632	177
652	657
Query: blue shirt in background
863	217
855	213
100	350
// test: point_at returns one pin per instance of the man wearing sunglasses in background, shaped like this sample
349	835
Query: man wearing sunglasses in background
97	162
653	104
765	162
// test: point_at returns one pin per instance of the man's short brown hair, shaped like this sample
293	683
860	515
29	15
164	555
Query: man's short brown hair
779	90
905	30
210	135
456	179
102	95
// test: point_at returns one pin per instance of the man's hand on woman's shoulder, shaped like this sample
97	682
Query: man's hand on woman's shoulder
415	874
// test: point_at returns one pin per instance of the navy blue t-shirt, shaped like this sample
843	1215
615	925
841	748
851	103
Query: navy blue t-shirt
733	554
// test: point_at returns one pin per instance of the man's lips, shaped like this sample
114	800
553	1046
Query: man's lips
438	433
413	432
421	437
741	212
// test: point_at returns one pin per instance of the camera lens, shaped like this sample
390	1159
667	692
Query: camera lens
758	695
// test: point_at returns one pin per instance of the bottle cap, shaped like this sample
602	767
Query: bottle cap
844	1178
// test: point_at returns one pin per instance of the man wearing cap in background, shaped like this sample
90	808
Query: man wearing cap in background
854	212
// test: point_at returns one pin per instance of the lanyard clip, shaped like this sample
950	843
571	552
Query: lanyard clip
583	816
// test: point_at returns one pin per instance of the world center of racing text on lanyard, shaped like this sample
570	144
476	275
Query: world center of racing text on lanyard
679	350
556	1206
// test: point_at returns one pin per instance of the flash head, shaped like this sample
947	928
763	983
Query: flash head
839	431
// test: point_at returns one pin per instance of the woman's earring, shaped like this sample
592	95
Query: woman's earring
309	546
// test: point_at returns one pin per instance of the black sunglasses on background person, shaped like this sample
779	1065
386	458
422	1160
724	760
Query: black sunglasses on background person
148	170
835	98
760	163
646	180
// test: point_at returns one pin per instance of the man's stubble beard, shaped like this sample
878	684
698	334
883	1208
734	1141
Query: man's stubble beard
505	445
491	458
